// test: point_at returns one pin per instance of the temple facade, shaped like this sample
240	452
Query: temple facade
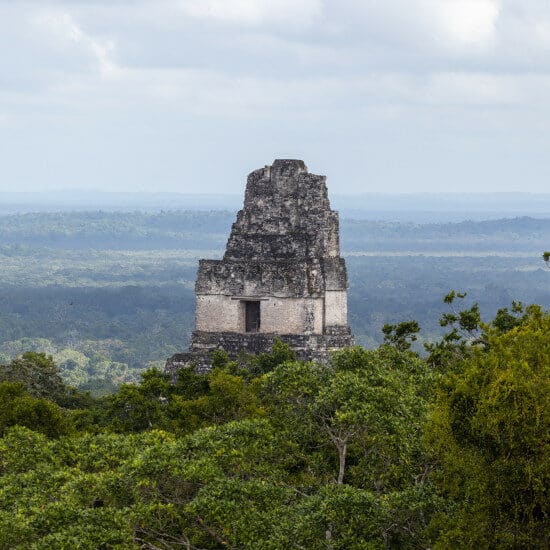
281	275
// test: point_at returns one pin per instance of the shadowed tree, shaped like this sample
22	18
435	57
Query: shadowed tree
402	335
38	373
489	428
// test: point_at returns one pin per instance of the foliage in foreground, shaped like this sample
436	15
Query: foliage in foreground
380	449
489	428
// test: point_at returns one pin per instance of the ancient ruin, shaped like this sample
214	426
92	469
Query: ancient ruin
281	275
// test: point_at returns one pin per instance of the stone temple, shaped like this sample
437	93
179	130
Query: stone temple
281	275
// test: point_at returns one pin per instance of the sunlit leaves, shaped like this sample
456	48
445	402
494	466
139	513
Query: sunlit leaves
490	429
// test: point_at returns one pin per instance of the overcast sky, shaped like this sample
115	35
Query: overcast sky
191	95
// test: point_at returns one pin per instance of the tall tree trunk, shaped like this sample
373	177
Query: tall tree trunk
342	450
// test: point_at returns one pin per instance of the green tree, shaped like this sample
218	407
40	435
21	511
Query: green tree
18	408
190	385
368	409
464	335
490	430
230	397
372	402
401	335
266	362
506	319
38	373
133	409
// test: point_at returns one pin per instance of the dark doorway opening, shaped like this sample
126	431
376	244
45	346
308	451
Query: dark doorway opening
252	316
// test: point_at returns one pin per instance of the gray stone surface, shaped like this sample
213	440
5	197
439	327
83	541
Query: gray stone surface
284	252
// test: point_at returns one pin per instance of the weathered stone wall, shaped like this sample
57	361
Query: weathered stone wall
218	313
336	308
284	251
292	315
312	347
221	313
266	278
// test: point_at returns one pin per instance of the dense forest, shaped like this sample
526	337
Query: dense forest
110	294
432	434
378	449
196	230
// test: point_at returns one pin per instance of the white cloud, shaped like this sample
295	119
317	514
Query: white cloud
277	72
68	35
300	69
467	23
474	89
433	27
254	12
210	94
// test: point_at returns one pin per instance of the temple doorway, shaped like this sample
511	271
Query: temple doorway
252	316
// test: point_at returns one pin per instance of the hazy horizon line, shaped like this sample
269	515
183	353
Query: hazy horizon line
234	194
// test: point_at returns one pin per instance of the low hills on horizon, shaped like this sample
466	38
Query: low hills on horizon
402	207
200	232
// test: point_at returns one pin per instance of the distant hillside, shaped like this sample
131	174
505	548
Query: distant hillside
196	230
110	293
413	207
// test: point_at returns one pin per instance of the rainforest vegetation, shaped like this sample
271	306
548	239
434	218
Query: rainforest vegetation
110	294
431	434
381	448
